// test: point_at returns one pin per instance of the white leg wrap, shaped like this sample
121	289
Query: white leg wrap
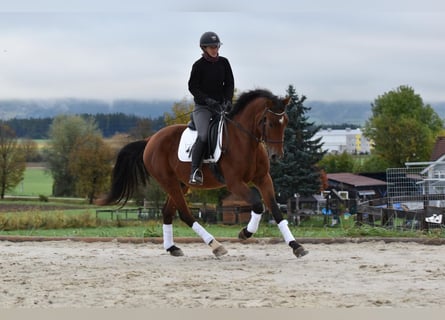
254	222
200	231
284	228
167	231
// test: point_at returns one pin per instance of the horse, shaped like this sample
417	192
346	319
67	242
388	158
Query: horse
253	136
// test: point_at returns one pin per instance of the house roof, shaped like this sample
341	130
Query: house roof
355	179
436	163
439	149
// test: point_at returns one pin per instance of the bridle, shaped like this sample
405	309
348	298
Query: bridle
263	133
263	138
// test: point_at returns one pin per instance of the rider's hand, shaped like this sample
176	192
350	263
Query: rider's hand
211	102
227	106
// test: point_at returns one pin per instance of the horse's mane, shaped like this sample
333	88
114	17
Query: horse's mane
246	97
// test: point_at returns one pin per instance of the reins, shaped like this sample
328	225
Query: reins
263	137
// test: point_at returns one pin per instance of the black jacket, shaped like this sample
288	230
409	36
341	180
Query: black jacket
211	80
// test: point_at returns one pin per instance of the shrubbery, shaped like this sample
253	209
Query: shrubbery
54	220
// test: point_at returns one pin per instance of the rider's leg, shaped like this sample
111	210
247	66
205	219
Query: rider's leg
201	116
197	157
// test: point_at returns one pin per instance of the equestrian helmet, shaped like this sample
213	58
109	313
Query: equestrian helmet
209	39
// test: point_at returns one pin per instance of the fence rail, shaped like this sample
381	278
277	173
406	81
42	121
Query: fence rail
129	214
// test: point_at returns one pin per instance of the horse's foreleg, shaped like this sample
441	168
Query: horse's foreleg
282	223
269	199
255	215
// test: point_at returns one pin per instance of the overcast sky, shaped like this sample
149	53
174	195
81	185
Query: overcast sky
329	50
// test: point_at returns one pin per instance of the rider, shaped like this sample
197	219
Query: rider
211	84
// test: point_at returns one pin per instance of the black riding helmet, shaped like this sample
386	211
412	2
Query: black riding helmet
209	38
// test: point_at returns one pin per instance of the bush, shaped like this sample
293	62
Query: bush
37	220
43	198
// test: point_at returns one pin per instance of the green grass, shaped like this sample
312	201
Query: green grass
83	223
59	219
108	228
36	182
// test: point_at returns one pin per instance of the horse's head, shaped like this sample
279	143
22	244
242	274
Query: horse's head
267	114
273	122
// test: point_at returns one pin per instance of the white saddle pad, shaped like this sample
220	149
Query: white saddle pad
188	138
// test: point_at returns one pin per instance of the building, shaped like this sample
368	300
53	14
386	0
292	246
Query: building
438	149
338	141
351	185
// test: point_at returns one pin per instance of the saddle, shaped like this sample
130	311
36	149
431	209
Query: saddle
213	151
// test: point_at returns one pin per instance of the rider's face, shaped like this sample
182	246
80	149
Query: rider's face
212	51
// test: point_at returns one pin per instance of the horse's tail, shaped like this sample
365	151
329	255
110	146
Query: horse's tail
128	172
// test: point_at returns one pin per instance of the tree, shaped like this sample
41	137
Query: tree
297	172
90	163
181	112
12	160
403	128
31	150
65	132
332	163
142	130
373	163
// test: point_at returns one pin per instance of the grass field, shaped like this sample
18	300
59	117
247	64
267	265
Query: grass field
36	182
52	219
57	218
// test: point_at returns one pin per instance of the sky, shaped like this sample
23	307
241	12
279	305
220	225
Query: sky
328	50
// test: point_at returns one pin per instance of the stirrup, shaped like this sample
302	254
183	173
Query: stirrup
196	177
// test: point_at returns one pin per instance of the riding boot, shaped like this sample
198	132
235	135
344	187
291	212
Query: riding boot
196	176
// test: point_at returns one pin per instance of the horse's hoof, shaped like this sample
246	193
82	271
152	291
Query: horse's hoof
244	234
175	251
300	252
219	251
217	248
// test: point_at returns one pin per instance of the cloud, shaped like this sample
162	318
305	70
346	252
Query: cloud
326	54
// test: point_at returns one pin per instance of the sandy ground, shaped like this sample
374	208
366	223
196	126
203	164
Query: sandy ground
55	274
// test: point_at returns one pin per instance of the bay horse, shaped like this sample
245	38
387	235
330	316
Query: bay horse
253	135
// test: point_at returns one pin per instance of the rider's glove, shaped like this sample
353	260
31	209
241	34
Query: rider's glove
227	106
211	102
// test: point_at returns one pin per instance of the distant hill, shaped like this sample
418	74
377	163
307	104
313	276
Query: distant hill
23	109
338	112
350	112
322	112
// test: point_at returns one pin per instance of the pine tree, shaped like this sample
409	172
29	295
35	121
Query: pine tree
297	172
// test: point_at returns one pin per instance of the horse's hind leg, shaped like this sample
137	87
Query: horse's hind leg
177	202
167	229
217	248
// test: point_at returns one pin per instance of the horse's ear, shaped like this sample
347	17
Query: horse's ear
286	101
